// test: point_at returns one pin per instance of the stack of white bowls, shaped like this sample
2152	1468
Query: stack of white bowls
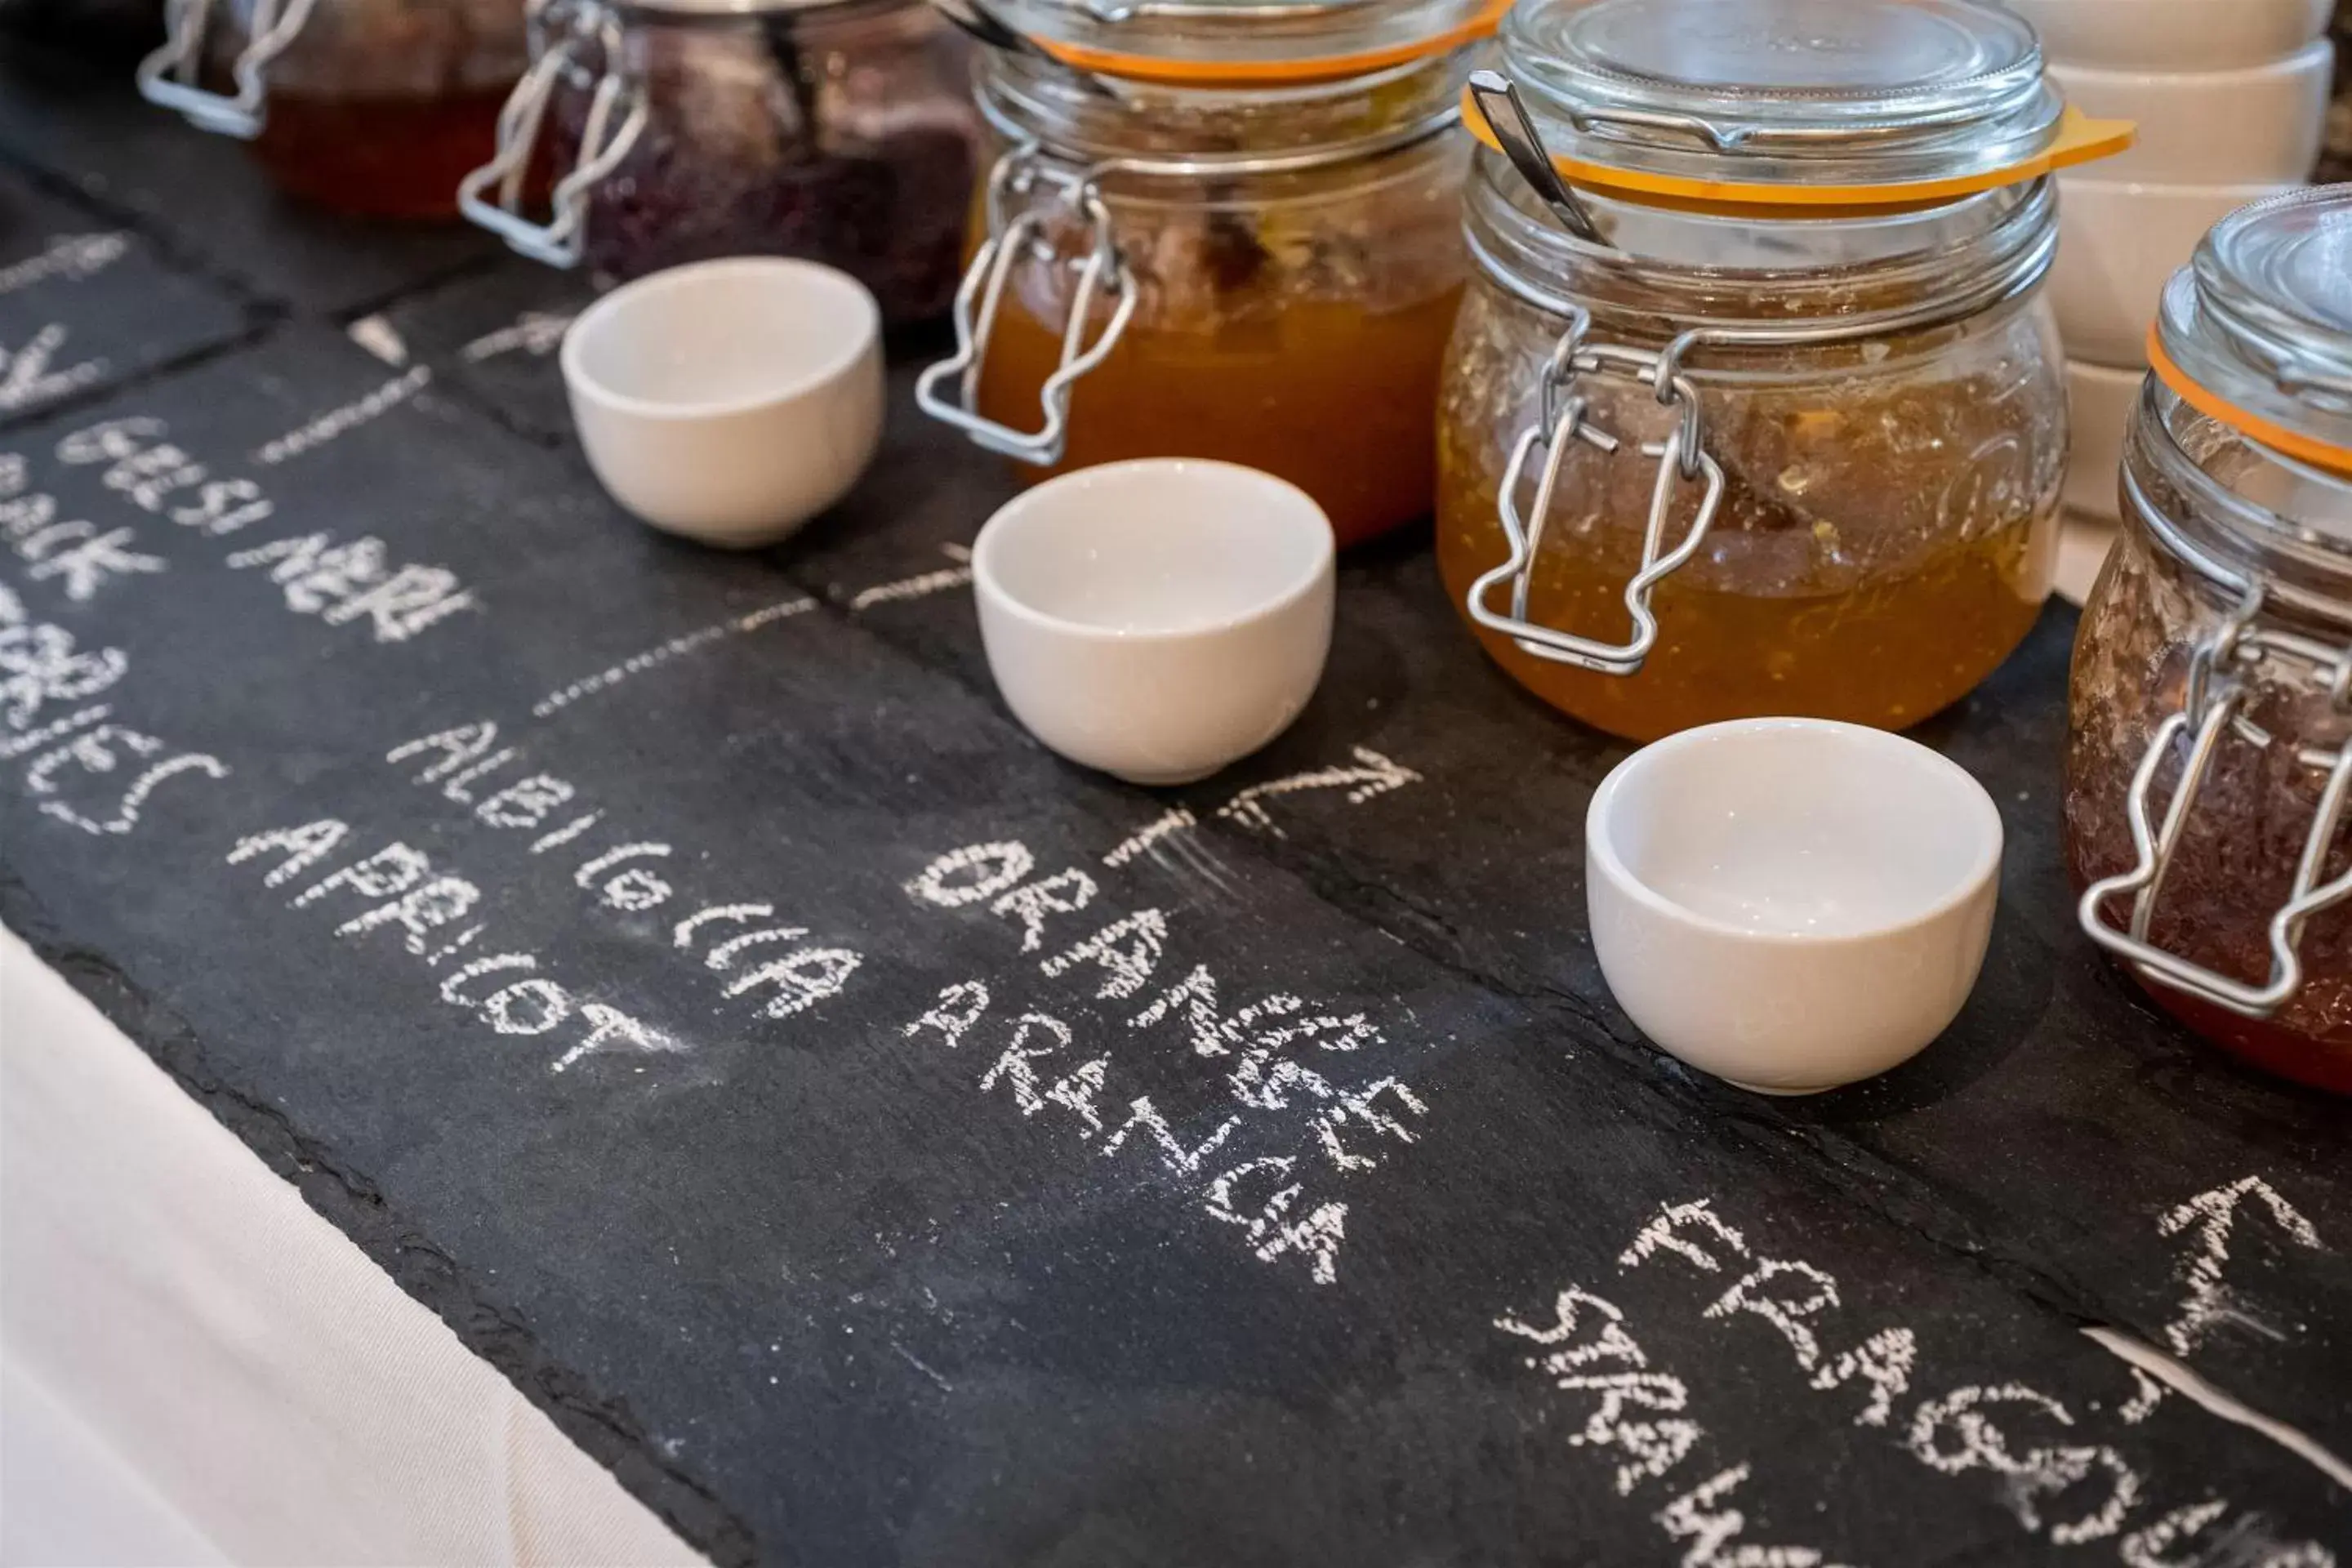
2232	100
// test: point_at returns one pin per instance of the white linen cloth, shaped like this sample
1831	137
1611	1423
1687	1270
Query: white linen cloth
196	1368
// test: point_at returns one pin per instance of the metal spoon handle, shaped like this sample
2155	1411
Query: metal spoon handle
1499	101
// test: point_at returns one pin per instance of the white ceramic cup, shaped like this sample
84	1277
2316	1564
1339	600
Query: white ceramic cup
2119	245
728	401
2173	34
2198	126
1791	904
2099	400
1158	618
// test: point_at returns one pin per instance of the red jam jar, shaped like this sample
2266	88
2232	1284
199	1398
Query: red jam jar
374	108
2210	759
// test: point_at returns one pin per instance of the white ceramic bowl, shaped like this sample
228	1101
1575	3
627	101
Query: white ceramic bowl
1158	618
2119	245
1791	904
729	400
2173	34
2099	400
2200	126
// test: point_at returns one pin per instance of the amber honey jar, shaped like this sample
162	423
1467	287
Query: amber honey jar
2210	759
1226	231
374	108
675	131
1753	407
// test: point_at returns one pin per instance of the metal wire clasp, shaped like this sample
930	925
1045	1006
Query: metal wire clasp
1100	272
168	75
564	36
2212	710
1682	457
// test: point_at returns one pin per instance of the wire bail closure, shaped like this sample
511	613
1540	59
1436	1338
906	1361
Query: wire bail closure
562	34
1100	272
2213	709
1682	458
168	76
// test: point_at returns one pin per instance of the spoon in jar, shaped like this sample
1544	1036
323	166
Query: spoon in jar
984	25
1498	99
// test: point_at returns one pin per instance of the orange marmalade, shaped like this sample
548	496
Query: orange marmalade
1333	397
1885	538
1291	260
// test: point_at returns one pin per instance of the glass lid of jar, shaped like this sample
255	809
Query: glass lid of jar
1235	43
1813	103
738	8
2256	331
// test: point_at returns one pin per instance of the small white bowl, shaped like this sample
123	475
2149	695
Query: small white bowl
2206	126
1158	618
729	400
2173	34
2099	402
1791	904
2119	245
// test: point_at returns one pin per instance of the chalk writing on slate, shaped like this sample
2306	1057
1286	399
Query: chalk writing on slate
902	1148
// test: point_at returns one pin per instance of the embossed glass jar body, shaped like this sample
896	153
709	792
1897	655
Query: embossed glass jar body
1887	522
1291	320
2210	765
2214	523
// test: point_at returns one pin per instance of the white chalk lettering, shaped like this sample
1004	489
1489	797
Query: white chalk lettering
633	890
1374	774
1126	951
1664	1233
1173	1153
303	848
526	803
971	875
959	1006
1713	1529
1032	903
2212	1214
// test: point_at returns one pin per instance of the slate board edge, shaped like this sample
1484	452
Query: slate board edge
605	1428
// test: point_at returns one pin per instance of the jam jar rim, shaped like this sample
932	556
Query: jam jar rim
1028	98
1517	247
2231	332
2229	540
719	13
1193	39
1886	136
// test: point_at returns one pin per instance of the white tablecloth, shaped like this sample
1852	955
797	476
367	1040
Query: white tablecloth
195	1368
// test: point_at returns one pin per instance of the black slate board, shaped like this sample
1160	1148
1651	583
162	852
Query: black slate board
842	1286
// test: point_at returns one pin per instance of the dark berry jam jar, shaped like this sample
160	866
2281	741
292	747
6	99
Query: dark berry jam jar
840	131
2210	759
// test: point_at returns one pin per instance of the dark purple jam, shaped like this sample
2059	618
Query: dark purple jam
887	208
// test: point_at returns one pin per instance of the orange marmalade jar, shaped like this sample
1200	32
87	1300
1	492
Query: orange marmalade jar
376	108
1754	407
2210	753
1221	230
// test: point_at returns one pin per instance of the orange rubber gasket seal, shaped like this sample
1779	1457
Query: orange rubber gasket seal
2080	140
2310	449
1272	73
